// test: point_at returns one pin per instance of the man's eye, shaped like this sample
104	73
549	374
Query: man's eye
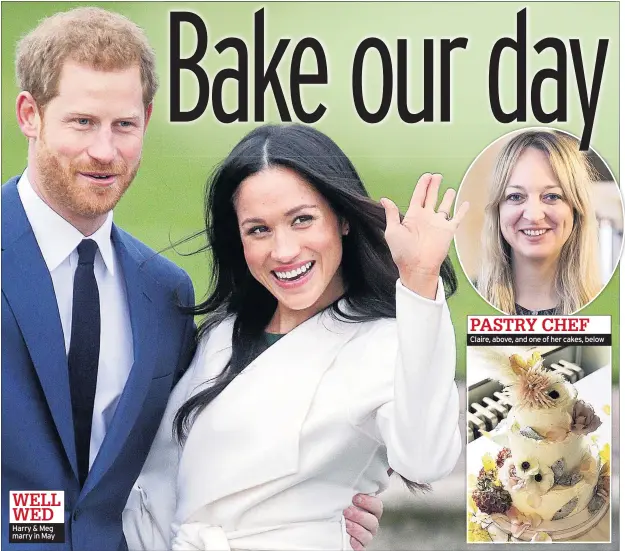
125	124
83	122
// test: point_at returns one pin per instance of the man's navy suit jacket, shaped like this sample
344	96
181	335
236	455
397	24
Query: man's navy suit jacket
38	451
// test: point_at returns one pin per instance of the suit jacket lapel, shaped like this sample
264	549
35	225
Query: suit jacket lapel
141	289
27	286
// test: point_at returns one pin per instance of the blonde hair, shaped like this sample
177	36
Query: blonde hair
95	37
577	277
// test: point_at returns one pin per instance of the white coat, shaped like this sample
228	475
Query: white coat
317	418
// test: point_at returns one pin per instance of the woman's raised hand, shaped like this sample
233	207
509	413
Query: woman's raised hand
420	242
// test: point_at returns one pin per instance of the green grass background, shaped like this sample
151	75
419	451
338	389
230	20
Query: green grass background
165	201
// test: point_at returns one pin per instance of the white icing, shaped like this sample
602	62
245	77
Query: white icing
557	497
572	449
575	450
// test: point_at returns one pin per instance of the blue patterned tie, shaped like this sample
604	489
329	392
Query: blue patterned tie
84	352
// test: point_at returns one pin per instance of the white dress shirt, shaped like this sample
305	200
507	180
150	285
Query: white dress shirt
58	240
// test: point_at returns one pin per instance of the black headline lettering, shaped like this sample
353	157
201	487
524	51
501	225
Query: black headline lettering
393	74
386	78
264	77
558	75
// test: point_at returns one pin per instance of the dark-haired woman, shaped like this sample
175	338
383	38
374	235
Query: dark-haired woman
326	356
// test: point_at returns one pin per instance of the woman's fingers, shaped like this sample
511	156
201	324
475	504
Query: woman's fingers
447	202
356	545
362	520
460	212
392	213
431	197
357	532
420	191
425	196
367	511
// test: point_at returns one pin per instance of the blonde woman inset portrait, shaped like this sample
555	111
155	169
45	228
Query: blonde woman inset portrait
546	231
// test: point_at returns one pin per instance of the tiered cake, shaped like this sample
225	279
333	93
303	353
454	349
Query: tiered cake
549	469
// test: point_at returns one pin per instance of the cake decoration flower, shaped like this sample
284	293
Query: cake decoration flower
527	382
553	414
481	527
478	523
542	389
493	500
541	537
476	515
520	522
503	454
508	476
584	420
520	365
538	485
485	479
526	467
542	481
488	462
477	534
489	495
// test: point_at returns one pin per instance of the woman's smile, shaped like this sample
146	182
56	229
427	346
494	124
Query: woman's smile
292	242
535	217
296	275
536	235
535	232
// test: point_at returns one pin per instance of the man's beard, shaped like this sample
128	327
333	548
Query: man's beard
62	185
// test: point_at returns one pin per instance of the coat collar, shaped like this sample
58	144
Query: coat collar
252	409
56	237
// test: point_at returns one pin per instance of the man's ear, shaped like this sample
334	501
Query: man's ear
28	115
148	115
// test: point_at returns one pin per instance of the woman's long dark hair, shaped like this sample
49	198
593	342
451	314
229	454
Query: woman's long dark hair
368	271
